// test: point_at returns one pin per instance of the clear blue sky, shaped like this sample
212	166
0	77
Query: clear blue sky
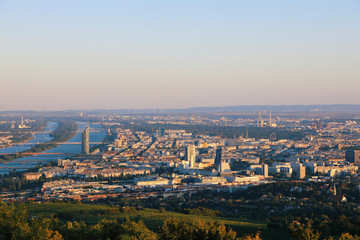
175	54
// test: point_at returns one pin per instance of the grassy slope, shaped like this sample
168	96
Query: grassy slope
153	218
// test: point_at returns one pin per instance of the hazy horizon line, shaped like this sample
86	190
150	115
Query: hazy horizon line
184	108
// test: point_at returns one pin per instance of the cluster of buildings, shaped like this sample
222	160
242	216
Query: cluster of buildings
168	160
5	140
5	135
89	167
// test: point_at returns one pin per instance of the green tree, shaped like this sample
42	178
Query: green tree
303	231
345	236
13	222
196	229
251	237
135	231
41	230
76	230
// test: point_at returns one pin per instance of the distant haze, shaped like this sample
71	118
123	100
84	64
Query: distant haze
57	55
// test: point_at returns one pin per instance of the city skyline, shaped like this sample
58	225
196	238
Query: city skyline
180	54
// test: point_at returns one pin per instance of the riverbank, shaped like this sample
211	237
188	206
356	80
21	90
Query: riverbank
64	132
23	136
26	134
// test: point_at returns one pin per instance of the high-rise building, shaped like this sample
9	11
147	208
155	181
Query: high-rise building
352	156
161	132
85	146
270	120
191	155
319	124
218	156
301	172
265	170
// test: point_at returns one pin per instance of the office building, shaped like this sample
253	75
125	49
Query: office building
218	156
265	170
301	173
85	146
352	156
161	132
191	155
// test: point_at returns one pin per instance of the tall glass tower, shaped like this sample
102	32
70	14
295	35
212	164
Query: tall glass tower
191	155
85	148
218	156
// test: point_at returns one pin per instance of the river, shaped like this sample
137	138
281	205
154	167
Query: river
97	134
40	137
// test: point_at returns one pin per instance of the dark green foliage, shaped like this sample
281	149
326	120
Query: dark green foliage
201	211
15	224
173	229
303	231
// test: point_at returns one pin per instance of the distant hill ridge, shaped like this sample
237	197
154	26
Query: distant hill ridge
279	108
239	108
243	108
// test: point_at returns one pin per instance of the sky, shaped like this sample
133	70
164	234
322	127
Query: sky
61	55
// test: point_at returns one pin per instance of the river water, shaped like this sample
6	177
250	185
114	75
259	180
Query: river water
97	134
37	138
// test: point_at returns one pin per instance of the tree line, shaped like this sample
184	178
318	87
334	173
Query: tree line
16	224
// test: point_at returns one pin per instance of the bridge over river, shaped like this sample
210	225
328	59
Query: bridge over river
60	143
71	147
39	153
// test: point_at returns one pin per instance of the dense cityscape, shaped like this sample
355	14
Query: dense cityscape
179	120
269	169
